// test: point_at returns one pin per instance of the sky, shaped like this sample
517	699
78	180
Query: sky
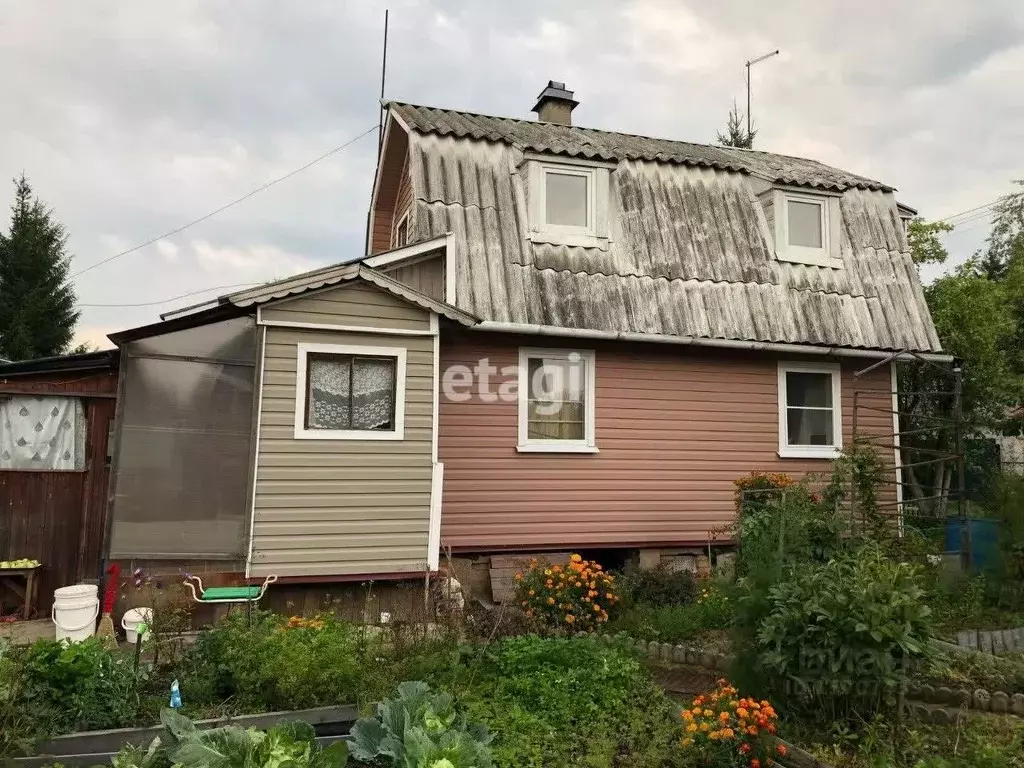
132	119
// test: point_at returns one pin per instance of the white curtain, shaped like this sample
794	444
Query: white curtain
39	432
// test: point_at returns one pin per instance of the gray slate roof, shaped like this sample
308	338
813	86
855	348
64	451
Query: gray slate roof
594	144
691	249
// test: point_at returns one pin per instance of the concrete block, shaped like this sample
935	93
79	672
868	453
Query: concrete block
707	660
1017	704
942	716
650	558
641	647
919	711
944	695
968	638
679	654
982	700
1018	639
653	650
928	693
693	657
998	647
1009	641
725	564
1000	703
963	698
666	652
985	642
679	563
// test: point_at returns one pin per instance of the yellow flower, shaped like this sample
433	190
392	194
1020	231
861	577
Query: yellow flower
569	618
576	558
708	713
686	742
551	601
532	593
519	577
691	728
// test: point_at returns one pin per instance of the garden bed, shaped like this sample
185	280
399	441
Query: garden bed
91	748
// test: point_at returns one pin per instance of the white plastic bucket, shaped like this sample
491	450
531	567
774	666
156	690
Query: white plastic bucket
131	620
75	610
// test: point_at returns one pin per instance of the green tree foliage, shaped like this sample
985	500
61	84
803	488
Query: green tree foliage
1006	240
736	134
923	238
37	301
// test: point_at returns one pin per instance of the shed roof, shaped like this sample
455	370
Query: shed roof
87	361
595	144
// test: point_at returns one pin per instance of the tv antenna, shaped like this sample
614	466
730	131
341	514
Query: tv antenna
749	64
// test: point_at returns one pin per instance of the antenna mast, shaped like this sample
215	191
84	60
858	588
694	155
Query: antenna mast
749	66
383	76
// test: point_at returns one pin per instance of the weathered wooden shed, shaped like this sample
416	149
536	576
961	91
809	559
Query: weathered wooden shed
55	417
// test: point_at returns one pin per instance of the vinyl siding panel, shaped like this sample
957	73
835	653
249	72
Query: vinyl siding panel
360	304
675	428
426	276
342	507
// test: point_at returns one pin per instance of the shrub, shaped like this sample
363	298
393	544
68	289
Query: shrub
420	728
723	730
845	635
713	609
571	701
576	597
275	664
659	586
81	686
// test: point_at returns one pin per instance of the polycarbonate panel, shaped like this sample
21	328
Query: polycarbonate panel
231	340
182	467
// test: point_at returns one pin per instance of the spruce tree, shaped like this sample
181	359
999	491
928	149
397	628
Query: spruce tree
735	132
37	301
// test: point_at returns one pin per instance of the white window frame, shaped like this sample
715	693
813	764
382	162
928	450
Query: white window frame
403	219
596	233
788	451
302	362
546	169
532	445
828	254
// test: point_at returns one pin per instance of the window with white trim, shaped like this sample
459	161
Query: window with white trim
807	227
345	392
810	415
400	238
568	202
556	401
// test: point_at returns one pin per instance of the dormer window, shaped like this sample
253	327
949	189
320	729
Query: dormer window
569	199
806	227
568	202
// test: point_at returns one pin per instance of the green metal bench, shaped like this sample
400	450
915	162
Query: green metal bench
244	594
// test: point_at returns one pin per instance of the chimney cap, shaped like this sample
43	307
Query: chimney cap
555	91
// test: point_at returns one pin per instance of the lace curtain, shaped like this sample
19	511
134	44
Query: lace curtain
42	433
351	392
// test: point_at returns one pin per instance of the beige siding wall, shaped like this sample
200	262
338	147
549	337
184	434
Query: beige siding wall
360	304
342	507
426	276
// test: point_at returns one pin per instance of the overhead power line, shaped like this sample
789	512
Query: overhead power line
949	219
173	298
233	203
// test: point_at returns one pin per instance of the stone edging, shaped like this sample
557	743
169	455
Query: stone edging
979	699
673	654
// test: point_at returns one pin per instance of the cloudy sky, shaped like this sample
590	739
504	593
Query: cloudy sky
133	118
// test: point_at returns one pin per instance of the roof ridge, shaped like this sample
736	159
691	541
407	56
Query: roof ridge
716	147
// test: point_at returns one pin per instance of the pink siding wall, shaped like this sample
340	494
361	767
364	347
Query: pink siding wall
675	427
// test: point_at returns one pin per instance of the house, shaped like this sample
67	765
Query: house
55	417
558	338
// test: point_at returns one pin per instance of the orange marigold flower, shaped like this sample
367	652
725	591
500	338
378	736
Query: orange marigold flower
519	577
531	593
781	749
744	748
570	618
551	601
691	728
576	558
741	712
704	726
597	607
708	713
723	716
695	710
728	733
687	714
755	763
686	742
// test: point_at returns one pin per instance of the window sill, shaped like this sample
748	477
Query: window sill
810	259
810	452
549	448
572	239
346	434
